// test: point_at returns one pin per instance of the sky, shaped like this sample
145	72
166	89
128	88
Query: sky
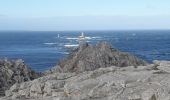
61	15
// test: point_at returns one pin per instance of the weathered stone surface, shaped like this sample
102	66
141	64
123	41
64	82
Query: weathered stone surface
163	65
12	72
110	83
149	95
88	57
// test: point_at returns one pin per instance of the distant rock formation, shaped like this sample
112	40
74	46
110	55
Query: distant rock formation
12	72
88	57
151	82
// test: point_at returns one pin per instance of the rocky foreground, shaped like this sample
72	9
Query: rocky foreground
151	82
97	73
14	71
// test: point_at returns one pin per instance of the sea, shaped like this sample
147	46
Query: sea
41	50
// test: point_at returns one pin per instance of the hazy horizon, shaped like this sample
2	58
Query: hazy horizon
55	15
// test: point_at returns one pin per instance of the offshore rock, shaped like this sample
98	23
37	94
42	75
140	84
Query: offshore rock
88	57
110	83
12	72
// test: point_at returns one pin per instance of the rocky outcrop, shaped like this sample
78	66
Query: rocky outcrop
88	57
12	72
110	83
91	73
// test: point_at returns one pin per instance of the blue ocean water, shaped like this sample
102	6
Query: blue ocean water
42	50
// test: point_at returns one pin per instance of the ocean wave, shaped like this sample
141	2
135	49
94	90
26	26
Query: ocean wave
96	37
71	45
66	53
72	38
50	43
88	37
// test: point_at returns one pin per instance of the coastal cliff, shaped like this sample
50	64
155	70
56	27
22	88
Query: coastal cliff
97	72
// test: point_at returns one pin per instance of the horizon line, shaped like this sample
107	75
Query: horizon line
93	30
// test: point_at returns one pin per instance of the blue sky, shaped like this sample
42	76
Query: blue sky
84	14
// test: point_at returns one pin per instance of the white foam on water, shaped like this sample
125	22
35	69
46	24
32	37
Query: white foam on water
96	37
88	38
64	53
72	38
50	43
71	45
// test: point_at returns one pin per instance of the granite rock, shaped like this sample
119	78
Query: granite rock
90	57
14	71
110	83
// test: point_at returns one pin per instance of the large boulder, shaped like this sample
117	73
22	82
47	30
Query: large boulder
88	57
14	71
